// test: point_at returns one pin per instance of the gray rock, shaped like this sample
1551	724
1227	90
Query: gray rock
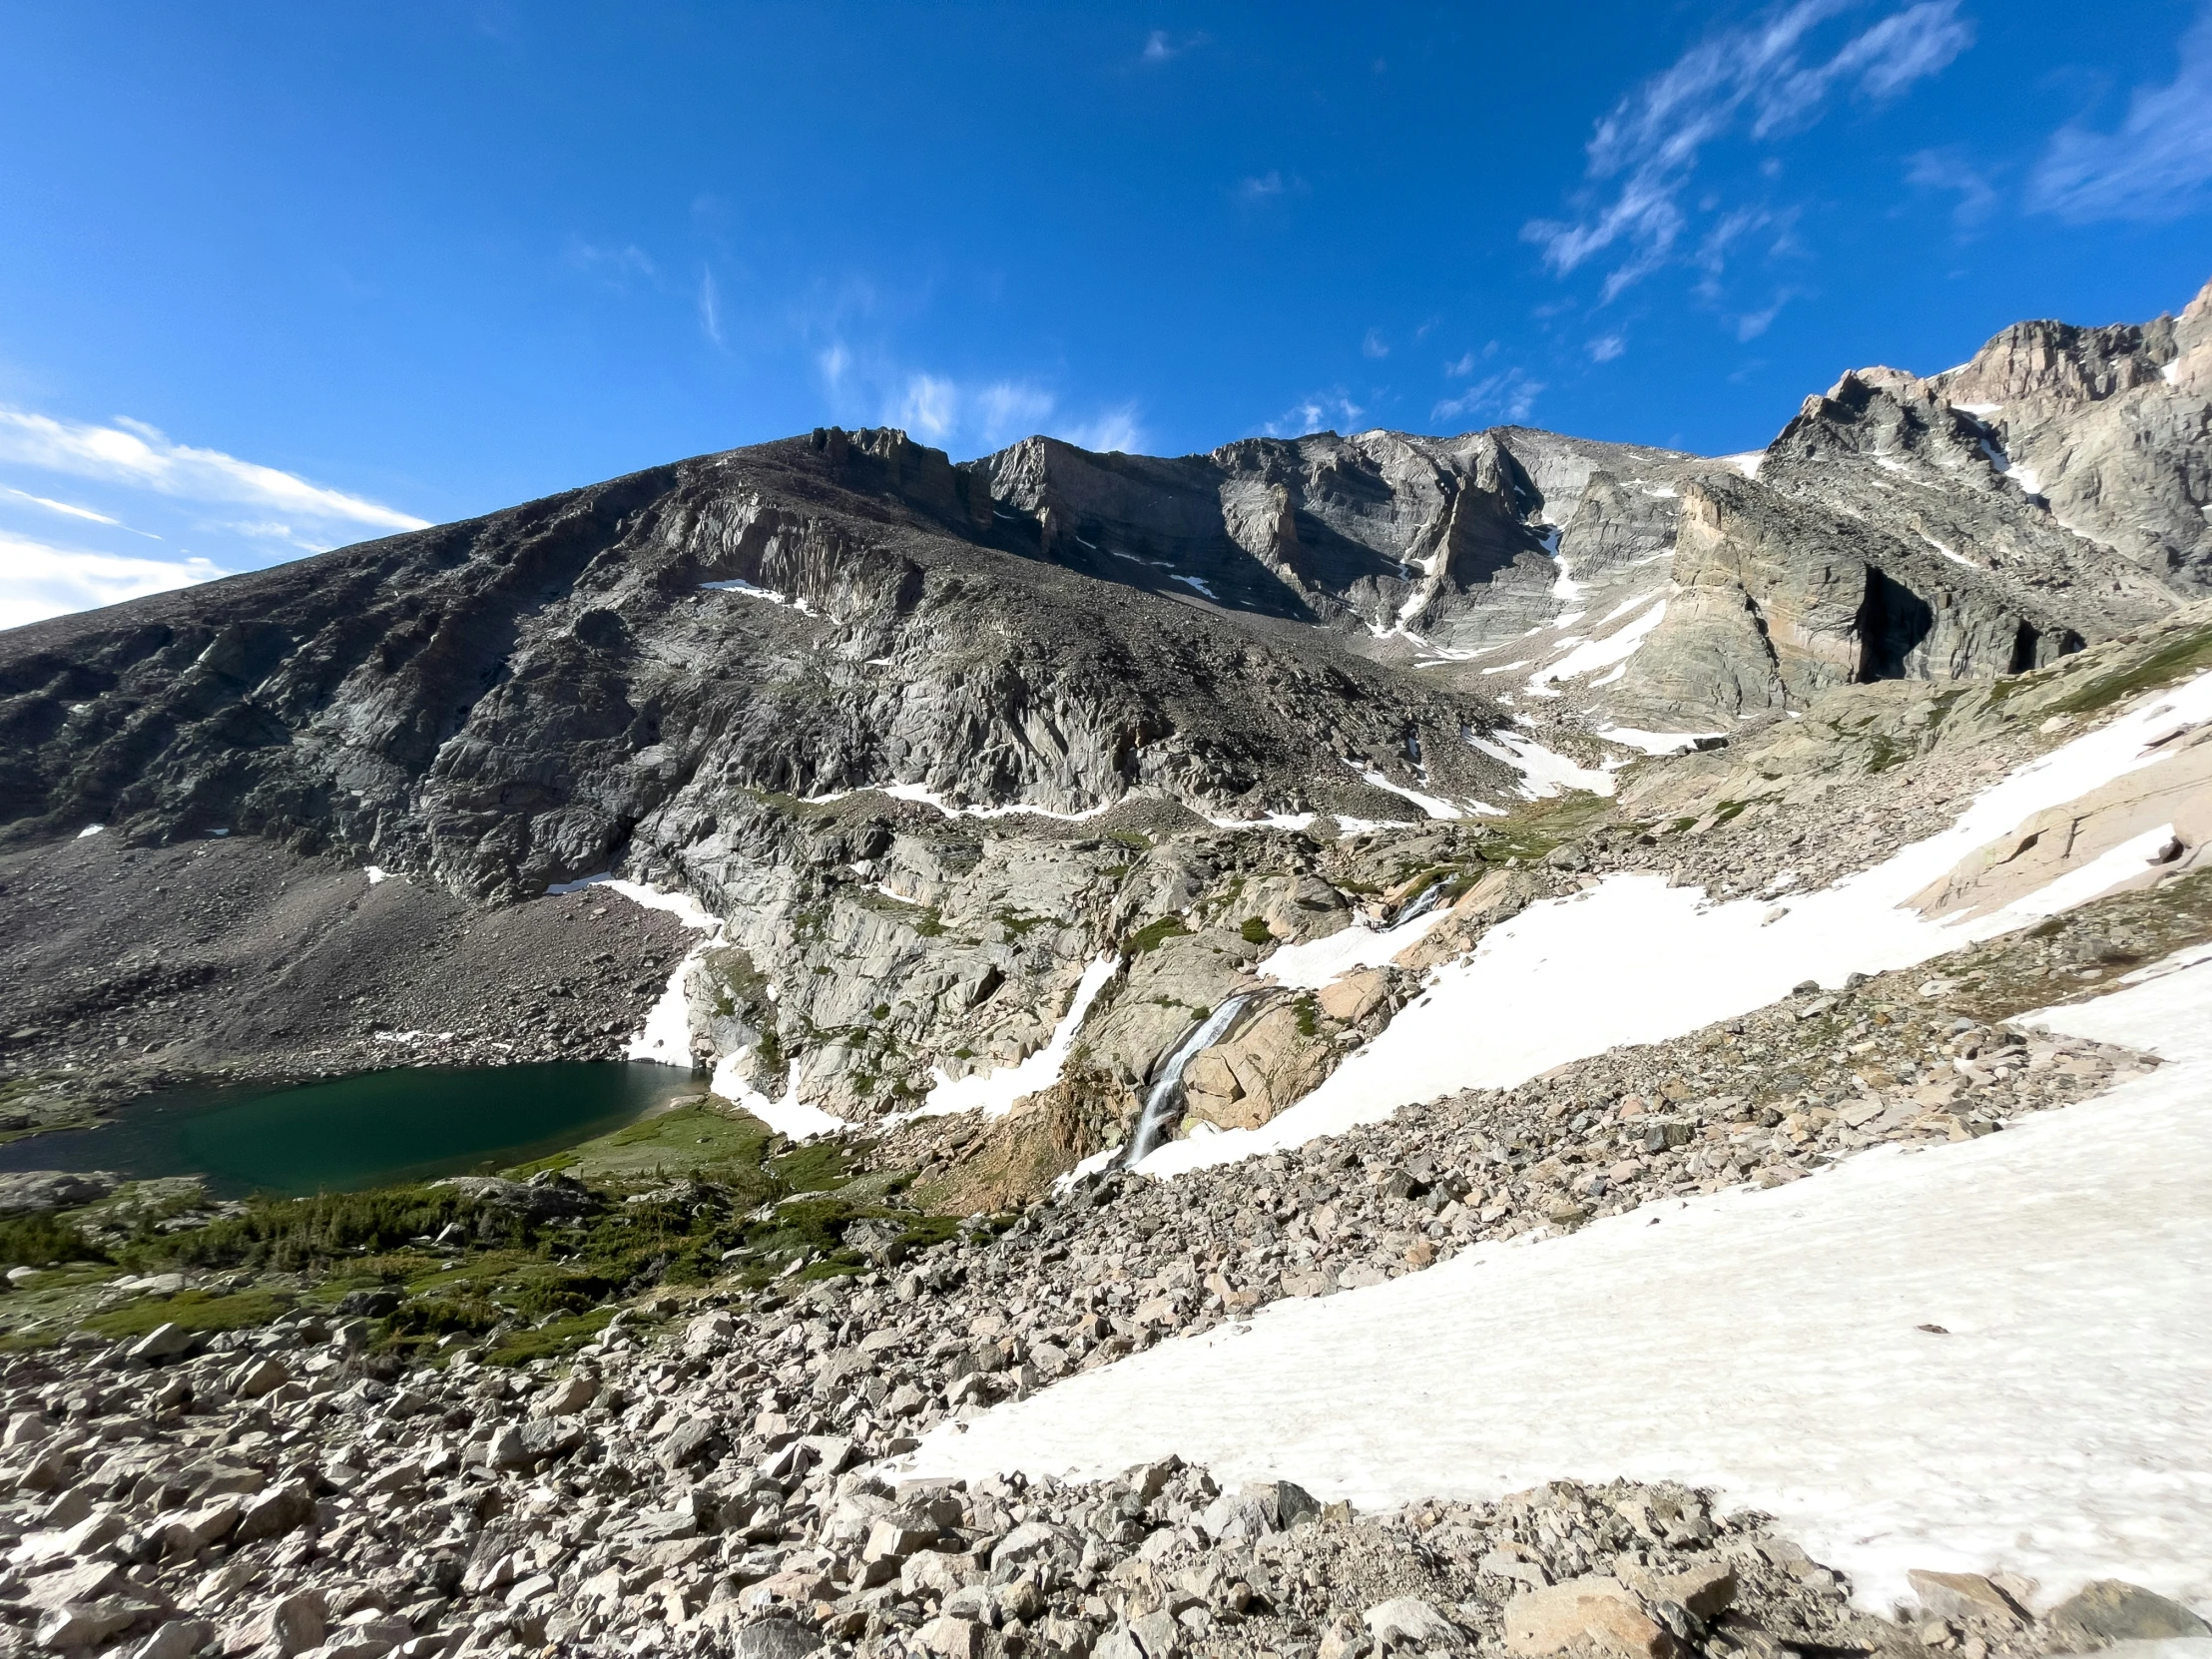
23	1192
2112	1611
774	1639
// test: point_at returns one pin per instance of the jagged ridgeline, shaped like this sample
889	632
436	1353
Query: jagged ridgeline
928	739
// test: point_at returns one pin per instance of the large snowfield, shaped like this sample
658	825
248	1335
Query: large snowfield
1771	1345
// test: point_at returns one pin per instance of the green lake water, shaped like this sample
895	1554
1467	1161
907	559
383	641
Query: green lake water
361	1131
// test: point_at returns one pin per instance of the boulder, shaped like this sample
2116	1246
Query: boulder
1407	1621
2113	1610
277	1511
1355	996
162	1342
774	1639
283	1626
1596	1612
23	1192
567	1396
1964	1596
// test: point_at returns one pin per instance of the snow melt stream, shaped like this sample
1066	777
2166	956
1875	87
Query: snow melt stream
1154	1121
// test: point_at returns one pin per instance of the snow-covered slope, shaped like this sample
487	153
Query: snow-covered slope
1978	1357
1634	959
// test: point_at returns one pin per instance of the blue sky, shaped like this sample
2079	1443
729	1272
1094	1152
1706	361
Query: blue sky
280	278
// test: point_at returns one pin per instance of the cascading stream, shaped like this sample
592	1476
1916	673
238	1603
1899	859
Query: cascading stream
1154	1118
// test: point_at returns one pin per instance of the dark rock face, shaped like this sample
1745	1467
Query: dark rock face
505	702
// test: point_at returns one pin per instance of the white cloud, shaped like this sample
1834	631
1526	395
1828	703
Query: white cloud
1948	171
611	266
2154	166
1509	393
1111	429
1606	348
38	581
1754	78
1160	46
1375	346
134	455
967	417
709	307
1752	324
930	407
1319	412
1264	188
1010	410
64	508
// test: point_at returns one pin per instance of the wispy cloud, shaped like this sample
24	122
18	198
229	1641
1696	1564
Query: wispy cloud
2155	165
966	416
1009	409
36	580
1509	394
1330	410
66	509
1160	46
1762	80
1375	346
1606	348
1947	172
710	307
611	266
1110	429
134	455
1263	186
929	408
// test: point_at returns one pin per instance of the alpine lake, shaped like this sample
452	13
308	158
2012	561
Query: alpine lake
370	1129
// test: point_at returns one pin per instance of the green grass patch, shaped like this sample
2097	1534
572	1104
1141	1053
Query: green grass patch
549	1341
676	1142
1154	934
194	1311
2190	653
1254	931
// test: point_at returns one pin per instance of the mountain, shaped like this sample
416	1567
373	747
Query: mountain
928	738
1337	1048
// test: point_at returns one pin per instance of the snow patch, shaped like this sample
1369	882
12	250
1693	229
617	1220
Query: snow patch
1272	820
1954	558
665	1035
1747	463
1433	804
1194	581
1544	773
1589	656
994	1092
1656	742
1775	1345
90	829
376	874
1323	961
750	591
787	1116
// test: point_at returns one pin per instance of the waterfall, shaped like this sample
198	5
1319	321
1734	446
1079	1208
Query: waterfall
1154	1119
1421	905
